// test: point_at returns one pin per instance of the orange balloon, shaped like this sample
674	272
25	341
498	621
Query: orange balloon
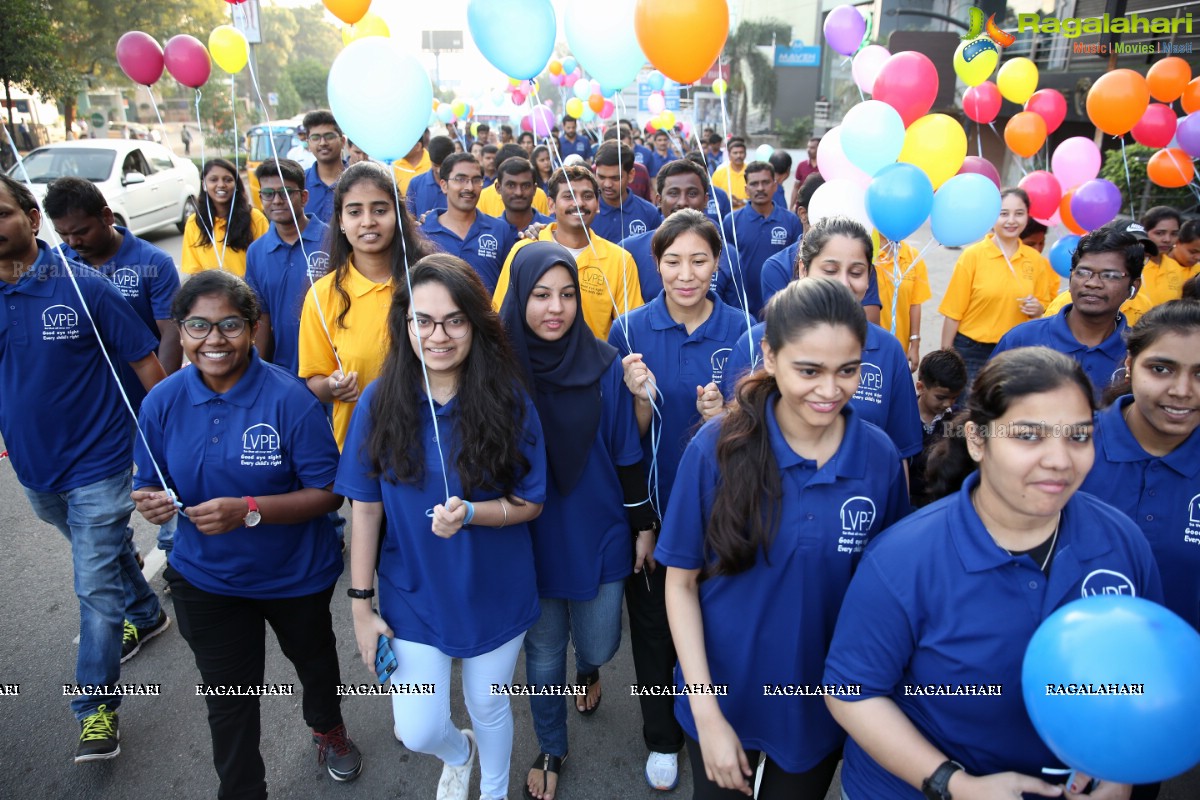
348	11
596	103
1191	97
1064	213
1025	133
1117	101
1168	78
1171	168
682	39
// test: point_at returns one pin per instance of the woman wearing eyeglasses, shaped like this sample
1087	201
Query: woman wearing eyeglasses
249	455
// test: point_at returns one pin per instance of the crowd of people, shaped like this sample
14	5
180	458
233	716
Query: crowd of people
555	380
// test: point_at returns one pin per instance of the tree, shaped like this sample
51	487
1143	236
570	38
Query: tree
29	52
310	78
1145	193
746	60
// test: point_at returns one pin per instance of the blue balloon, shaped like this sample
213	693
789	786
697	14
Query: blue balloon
569	65
521	56
899	200
605	44
1061	252
656	80
964	209
384	118
1104	640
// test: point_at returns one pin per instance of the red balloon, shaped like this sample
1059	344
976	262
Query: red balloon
1044	193
908	82
980	166
1156	128
1050	105
187	60
140	57
982	102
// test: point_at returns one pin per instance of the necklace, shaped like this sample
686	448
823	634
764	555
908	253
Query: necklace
1049	551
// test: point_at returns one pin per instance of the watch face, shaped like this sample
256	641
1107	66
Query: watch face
252	519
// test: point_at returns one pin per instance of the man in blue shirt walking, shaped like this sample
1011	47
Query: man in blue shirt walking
572	143
756	232
480	240
622	213
326	142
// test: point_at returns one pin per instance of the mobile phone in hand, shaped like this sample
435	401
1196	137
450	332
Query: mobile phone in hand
385	659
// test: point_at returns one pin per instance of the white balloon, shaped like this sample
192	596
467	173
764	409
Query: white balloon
764	152
872	135
866	65
839	198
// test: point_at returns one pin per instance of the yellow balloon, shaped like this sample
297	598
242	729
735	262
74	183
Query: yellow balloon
369	25
719	87
575	107
668	119
936	144
229	48
983	60
1017	80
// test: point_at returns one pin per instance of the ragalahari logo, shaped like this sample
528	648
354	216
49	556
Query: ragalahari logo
984	37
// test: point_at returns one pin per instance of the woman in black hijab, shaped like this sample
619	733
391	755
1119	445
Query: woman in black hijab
583	544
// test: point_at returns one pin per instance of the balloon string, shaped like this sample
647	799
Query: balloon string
979	138
1128	182
897	277
161	126
202	222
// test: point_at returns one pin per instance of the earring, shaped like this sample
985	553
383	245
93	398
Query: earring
343	230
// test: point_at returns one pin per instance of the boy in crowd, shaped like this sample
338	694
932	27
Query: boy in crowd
941	378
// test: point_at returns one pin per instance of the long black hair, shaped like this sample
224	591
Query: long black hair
238	233
818	235
491	405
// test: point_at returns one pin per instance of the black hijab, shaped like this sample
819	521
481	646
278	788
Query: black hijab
563	375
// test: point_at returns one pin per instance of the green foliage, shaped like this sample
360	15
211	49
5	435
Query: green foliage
1145	194
309	78
29	51
752	74
795	133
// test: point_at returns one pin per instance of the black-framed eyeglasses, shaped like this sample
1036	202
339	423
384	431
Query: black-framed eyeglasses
268	195
455	327
324	137
1108	275
465	180
199	327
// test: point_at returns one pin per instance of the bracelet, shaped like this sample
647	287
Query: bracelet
916	337
361	594
470	512
503	508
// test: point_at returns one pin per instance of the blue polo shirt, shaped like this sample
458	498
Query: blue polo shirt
281	275
146	276
634	216
485	247
657	162
777	273
320	194
753	239
936	601
885	397
465	595
713	161
266	436
718	207
61	412
641	155
779	198
643	255
1162	497
515	235
581	146
599	548
772	623
1104	363
425	193
680	362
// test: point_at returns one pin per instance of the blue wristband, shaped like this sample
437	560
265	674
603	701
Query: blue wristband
470	512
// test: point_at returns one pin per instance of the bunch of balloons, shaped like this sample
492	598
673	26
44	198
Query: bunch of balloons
519	90
184	57
566	72
367	25
449	113
588	102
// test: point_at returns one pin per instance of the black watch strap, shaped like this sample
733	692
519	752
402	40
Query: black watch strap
936	786
361	594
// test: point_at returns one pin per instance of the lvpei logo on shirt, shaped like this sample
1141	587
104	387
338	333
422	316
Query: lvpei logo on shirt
128	281
318	264
261	446
779	236
1106	581
488	246
636	227
870	383
60	323
1191	534
717	361
858	515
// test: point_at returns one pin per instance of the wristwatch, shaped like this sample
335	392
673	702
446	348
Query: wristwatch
252	517
361	594
936	786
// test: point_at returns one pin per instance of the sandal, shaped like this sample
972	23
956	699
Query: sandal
547	764
589	681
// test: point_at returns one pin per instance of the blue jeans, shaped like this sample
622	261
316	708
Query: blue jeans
595	628
974	355
166	534
108	583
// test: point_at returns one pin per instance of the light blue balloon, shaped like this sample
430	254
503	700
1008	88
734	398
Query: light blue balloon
899	200
587	115
605	43
524	54
445	113
569	64
1061	252
582	89
872	135
656	80
964	209
382	117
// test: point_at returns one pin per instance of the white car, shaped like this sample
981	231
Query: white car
146	185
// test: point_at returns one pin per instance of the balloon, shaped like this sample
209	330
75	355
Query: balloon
140	57
936	144
1050	105
371	25
1017	80
1065	216
899	200
668	118
908	82
872	135
523	56
570	79
656	81
527	124
1044	193
1187	135
596	87
445	113
1116	639
982	102
575	107
763	152
459	108
596	103
1060	253
587	115
833	164
555	67
1156	128
974	165
518	98
378	115
964	209
1075	161
187	60
1190	99
1170	169
542	119
866	65
229	48
681	39
1095	204
975	60
844	29
719	87
348	11
1025	133
656	103
1117	101
839	198
1168	78
582	90
569	65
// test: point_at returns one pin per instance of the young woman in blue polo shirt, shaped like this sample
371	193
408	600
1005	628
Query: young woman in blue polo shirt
447	446
248	452
937	619
581	542
774	503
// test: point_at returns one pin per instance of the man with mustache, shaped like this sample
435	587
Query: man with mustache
459	229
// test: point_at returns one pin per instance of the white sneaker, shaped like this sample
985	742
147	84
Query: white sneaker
456	781
662	771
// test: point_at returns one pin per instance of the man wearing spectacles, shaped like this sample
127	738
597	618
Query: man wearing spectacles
1106	271
325	142
459	229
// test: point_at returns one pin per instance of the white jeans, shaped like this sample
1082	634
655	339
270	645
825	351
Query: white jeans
422	721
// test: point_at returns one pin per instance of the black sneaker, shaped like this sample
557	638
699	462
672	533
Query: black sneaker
98	738
132	639
338	754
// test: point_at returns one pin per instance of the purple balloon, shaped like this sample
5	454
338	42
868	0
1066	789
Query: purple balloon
844	29
1187	135
974	165
1095	203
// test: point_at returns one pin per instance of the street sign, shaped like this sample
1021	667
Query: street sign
272	99
442	41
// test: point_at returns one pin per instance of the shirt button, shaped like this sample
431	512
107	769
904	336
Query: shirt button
809	516
1033	584
1149	518
215	440
1152	493
216	422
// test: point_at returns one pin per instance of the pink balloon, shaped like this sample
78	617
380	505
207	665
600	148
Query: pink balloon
556	79
1156	128
982	103
187	60
570	79
1050	105
908	82
866	65
1044	193
140	57
607	110
832	162
542	119
656	103
980	166
518	98
526	124
1075	161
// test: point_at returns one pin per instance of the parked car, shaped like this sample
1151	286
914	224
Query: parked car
146	185
129	130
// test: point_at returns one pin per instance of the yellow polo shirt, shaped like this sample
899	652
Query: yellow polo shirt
405	171
1164	281
914	288
492	204
984	295
1132	308
361	345
198	259
608	281
726	176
